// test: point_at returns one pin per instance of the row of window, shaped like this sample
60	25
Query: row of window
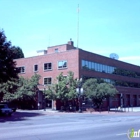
47	81
122	83
89	65
47	66
116	82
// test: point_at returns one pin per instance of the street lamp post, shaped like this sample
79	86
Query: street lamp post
38	104
44	98
79	90
41	97
121	101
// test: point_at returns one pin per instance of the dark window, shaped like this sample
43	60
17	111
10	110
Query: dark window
21	69
35	68
56	50
47	81
62	64
89	65
47	66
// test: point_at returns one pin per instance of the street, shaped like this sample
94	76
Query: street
40	125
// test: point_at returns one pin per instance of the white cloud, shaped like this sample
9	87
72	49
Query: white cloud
131	59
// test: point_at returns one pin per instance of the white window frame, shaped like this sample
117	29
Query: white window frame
47	78
62	67
48	66
34	68
21	70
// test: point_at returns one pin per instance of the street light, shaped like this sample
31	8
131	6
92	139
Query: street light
38	104
79	90
44	98
121	101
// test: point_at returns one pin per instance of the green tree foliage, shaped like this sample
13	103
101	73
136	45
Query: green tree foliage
50	93
64	89
7	65
97	92
27	88
17	52
61	88
8	89
71	84
25	94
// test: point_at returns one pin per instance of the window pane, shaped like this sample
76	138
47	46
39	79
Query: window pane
96	67
100	67
47	81
21	69
47	66
93	67
62	64
35	67
89	65
56	50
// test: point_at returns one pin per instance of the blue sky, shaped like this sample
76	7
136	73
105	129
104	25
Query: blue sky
105	26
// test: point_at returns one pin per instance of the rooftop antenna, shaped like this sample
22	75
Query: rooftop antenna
49	41
78	27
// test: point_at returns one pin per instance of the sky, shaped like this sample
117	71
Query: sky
105	26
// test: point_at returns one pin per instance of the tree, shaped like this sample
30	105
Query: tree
25	94
7	65
97	92
8	89
17	52
64	89
71	84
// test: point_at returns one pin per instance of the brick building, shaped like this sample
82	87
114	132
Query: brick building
63	58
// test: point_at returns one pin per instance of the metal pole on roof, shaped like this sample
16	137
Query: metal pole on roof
77	26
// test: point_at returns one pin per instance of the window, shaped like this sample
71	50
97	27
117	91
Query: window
47	66
96	66
103	68
56	50
89	64
62	64
35	68
100	67
93	68
83	63
21	69
47	81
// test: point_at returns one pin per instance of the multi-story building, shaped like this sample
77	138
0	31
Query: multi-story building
63	58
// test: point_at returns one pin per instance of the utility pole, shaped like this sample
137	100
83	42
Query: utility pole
78	27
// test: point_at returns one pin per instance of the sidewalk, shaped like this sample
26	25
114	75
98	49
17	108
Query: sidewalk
126	109
112	111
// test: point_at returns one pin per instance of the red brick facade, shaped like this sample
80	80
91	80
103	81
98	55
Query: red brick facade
74	58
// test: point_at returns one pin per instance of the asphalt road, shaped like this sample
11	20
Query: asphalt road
37	125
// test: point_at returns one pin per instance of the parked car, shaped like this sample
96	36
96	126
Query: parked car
5	110
10	105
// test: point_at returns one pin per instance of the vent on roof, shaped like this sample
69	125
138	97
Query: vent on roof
41	52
